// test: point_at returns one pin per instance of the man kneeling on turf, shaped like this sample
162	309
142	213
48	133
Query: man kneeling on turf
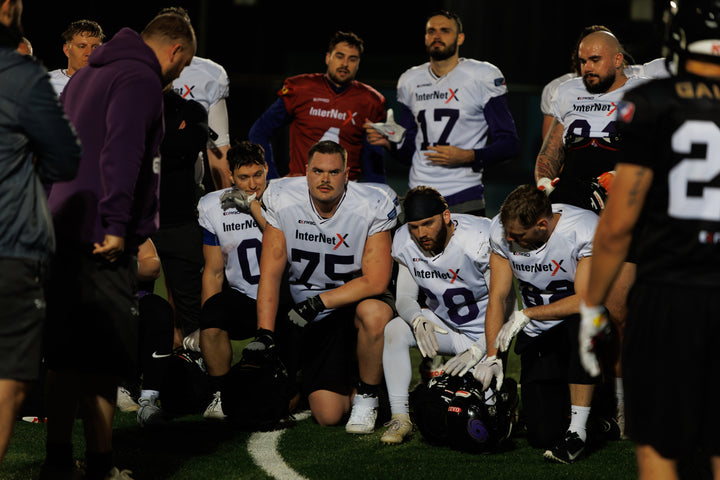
446	256
334	239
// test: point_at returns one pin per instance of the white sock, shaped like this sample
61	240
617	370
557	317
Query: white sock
619	391
149	393
578	420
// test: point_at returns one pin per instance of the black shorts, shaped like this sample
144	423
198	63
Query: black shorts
232	311
92	314
22	315
671	366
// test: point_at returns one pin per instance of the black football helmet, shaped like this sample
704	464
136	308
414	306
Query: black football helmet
429	402
480	421
692	31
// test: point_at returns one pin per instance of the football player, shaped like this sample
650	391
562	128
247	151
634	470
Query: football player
326	106
450	106
334	237
446	257
81	38
665	200
578	155
207	83
547	248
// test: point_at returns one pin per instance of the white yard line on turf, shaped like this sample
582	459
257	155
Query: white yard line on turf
262	447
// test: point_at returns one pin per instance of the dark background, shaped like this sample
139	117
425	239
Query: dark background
260	42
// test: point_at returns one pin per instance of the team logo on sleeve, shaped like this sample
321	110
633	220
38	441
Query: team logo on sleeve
626	111
499	81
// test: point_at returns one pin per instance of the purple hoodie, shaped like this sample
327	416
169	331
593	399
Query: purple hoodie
116	105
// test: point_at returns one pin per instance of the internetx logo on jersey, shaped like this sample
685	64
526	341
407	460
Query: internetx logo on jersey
451	274
337	240
553	267
438	95
333	113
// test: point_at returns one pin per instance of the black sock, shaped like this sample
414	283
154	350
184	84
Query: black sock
368	390
59	454
98	464
217	383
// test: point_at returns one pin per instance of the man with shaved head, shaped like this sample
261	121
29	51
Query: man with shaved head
576	161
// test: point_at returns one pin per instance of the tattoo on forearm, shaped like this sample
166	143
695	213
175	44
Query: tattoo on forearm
633	196
551	157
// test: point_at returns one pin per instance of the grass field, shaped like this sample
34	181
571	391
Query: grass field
190	448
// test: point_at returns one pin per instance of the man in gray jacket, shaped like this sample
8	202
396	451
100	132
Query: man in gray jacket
37	144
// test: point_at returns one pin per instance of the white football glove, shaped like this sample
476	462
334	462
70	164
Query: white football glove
485	371
237	198
424	331
512	327
462	362
389	129
192	341
593	325
547	185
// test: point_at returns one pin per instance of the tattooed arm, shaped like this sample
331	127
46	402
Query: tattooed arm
614	230
550	160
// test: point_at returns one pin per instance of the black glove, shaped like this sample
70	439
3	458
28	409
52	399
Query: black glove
306	311
260	349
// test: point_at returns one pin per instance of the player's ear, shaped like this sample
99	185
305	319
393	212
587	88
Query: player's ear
460	39
446	216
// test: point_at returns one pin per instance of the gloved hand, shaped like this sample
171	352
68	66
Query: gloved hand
593	326
236	198
306	311
424	331
389	129
512	327
192	341
462	362
262	348
547	185
485	371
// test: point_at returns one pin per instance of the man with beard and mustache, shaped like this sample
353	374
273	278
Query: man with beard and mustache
330	106
333	239
446	257
451	106
37	145
580	152
547	247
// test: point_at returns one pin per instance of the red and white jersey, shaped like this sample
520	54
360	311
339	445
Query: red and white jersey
449	111
204	81
319	113
452	281
547	274
325	253
240	240
590	115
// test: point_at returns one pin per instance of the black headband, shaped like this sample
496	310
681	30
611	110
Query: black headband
419	207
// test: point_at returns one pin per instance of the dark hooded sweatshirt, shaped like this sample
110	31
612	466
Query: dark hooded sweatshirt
116	106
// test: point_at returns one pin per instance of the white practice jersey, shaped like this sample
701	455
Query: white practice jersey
653	69
452	281
449	111
204	81
326	253
58	79
547	274
590	115
240	239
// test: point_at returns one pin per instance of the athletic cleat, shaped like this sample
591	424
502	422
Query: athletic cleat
399	428
115	474
149	412
567	450
363	415
34	419
125	401
214	411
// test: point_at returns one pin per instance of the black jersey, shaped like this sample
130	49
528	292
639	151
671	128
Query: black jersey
672	126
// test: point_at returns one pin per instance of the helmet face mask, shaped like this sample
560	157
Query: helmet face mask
692	31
